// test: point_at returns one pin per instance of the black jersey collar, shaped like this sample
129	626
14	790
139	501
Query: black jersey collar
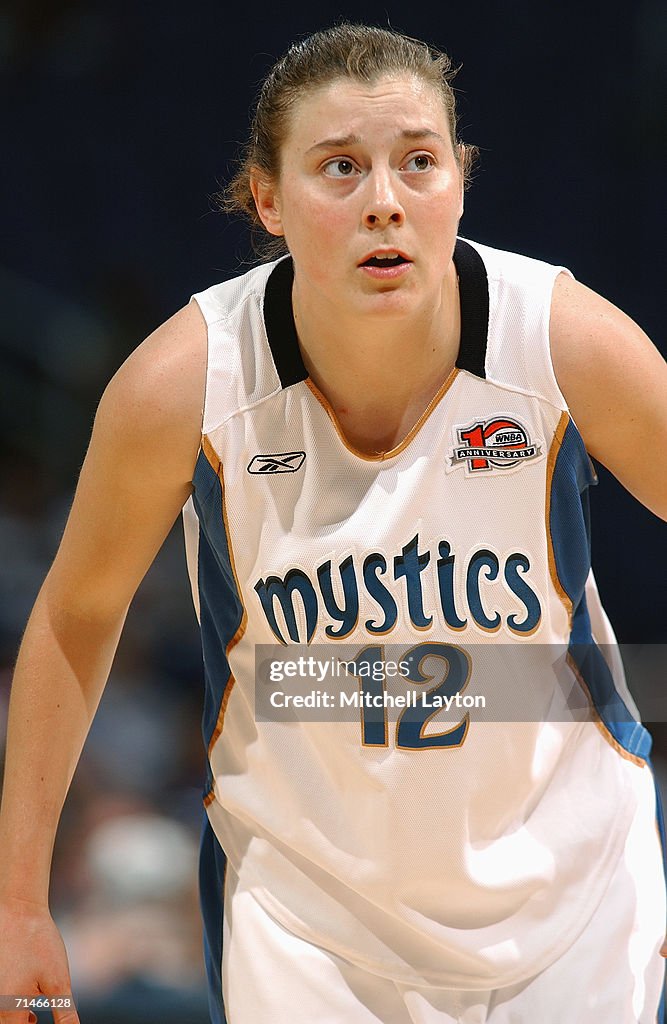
474	296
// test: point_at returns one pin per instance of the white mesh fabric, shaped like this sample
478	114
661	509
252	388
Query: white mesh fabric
240	368
518	352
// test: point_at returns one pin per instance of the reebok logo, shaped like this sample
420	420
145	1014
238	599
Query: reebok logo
283	462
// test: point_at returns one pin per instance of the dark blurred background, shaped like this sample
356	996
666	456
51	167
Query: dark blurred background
121	120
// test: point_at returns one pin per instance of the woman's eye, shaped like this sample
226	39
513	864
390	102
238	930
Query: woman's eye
339	168
422	162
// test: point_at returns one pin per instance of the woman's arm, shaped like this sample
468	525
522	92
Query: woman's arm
134	481
615	383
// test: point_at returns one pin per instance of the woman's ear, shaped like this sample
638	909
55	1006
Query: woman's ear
267	201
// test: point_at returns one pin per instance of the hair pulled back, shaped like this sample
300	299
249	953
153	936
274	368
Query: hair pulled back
362	52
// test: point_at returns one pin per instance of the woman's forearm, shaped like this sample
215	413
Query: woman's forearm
63	665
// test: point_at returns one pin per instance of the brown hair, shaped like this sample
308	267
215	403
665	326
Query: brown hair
345	50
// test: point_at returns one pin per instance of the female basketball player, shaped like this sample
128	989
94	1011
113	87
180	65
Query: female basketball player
375	440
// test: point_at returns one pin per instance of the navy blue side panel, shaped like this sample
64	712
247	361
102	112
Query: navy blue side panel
570	534
221	607
594	671
660	817
221	615
212	864
660	821
569	518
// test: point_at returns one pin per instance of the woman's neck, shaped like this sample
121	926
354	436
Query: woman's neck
379	377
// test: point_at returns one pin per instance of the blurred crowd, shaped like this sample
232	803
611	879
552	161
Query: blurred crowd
124	887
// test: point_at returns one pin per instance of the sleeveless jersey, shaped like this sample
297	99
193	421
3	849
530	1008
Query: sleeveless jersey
452	846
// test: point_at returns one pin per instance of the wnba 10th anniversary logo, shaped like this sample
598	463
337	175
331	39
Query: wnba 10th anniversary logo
497	444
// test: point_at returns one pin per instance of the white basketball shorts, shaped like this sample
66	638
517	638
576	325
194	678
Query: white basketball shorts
613	973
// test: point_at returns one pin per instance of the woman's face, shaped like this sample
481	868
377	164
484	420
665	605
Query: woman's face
367	167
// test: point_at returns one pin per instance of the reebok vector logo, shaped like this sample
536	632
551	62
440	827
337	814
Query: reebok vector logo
283	462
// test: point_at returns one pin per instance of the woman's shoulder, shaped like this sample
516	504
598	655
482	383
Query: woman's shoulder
615	383
166	373
515	268
151	410
222	300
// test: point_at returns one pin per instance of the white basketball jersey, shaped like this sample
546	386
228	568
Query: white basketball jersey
459	844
